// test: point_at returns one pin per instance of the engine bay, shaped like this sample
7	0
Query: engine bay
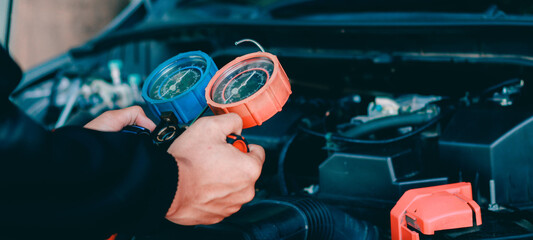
360	129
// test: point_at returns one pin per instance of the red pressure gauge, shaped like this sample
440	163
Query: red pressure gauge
255	86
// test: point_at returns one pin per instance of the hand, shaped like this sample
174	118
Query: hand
215	178
114	121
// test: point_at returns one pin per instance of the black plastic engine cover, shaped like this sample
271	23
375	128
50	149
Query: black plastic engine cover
375	176
492	144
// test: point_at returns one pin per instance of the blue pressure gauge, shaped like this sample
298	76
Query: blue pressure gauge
175	90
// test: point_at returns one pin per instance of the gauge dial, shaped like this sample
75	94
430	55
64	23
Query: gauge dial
177	78
176	88
254	86
242	80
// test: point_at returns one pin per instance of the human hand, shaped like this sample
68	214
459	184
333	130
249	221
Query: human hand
215	178
114	121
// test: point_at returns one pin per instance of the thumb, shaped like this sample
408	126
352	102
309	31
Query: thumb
140	118
112	121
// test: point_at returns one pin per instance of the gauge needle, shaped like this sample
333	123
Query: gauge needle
236	90
179	80
174	86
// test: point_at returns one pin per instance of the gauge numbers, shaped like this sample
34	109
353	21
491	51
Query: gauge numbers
242	80
177	78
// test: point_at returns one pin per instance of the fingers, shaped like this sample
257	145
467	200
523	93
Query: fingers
257	152
112	121
255	164
228	123
216	179
140	118
130	116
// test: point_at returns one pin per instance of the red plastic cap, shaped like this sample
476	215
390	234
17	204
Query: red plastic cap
434	208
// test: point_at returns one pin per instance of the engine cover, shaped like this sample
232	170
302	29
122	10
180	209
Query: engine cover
492	144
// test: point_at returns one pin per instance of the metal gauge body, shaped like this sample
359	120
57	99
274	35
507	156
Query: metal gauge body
255	86
177	86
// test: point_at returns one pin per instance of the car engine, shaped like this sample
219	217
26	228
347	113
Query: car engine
371	116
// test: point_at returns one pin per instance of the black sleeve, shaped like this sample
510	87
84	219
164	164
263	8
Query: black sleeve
76	183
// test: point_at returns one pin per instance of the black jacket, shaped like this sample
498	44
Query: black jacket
76	183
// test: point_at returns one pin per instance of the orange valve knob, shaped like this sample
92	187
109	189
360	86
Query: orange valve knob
255	86
239	142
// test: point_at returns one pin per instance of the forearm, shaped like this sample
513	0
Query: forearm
76	181
81	180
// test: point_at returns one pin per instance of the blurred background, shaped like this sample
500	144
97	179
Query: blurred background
43	29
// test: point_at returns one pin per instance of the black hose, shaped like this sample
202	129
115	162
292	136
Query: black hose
281	165
322	222
385	141
387	123
499	85
296	218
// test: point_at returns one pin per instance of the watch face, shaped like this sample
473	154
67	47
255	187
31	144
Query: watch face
177	78
242	80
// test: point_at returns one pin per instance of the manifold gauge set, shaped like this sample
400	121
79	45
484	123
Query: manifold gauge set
184	87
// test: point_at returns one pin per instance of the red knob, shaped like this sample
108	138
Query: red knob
238	141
